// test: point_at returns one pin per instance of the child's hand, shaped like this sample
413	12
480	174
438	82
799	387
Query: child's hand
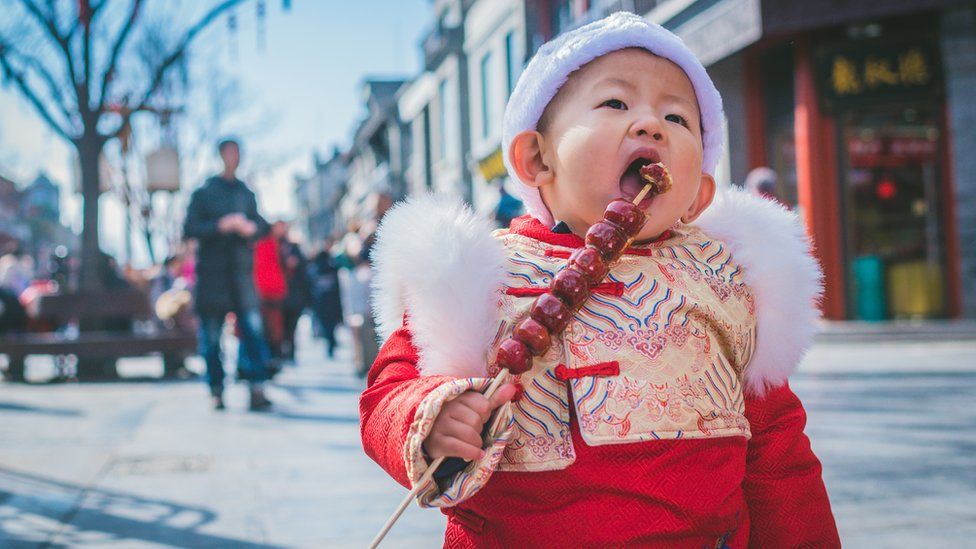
457	429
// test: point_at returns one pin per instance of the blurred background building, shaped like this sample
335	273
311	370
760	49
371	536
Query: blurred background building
319	195
860	108
30	218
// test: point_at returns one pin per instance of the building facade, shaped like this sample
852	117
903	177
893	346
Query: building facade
318	198
864	111
30	218
495	45
377	158
435	107
861	108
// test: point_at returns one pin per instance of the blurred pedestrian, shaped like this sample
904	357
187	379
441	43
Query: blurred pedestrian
326	304
508	208
166	276
16	271
762	182
297	298
223	216
354	286
269	280
171	296
13	316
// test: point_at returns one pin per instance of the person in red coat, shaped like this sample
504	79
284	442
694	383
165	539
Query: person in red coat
272	288
661	416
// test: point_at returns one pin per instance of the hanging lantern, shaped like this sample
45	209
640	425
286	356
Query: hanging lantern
163	170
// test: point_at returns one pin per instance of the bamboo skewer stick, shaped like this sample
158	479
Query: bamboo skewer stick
640	196
501	378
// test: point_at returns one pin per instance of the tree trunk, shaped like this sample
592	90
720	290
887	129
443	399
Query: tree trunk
89	149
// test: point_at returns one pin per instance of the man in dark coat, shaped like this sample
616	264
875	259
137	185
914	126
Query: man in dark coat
326	304
296	274
223	217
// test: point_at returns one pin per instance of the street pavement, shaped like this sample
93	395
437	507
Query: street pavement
145	463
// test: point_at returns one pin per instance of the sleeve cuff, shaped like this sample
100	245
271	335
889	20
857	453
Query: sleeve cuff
469	481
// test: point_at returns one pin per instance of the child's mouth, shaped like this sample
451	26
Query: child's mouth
631	182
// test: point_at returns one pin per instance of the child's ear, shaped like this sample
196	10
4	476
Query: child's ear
706	192
526	156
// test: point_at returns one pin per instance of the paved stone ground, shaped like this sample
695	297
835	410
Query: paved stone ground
142	463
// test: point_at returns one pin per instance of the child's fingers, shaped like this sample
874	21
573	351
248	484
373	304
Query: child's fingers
460	430
465	414
443	445
502	395
477	402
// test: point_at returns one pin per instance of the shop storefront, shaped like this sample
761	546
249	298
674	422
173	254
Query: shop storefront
853	118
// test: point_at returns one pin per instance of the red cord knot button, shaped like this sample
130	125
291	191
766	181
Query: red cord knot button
611	368
519	391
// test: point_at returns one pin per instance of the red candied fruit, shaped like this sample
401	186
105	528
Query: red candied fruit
589	262
658	176
625	215
514	356
608	239
534	335
571	287
551	312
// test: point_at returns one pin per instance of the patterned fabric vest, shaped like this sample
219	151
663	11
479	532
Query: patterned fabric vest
657	351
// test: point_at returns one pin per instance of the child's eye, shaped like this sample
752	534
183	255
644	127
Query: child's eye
614	104
677	118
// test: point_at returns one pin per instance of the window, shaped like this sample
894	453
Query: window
428	178
442	121
511	63
485	95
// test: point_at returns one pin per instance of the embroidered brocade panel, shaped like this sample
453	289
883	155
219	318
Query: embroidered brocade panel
681	333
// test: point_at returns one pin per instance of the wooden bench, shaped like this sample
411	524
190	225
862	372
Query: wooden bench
107	322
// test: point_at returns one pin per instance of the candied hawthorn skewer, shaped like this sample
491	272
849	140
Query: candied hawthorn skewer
552	311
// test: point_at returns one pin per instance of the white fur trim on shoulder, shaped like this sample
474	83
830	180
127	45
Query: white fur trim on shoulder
771	245
437	261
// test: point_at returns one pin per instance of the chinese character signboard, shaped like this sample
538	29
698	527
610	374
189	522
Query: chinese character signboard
855	74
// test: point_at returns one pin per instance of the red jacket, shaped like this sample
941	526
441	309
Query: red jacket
269	278
762	491
766	492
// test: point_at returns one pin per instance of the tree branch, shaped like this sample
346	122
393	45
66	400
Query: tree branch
54	88
175	55
49	22
86	53
18	77
116	50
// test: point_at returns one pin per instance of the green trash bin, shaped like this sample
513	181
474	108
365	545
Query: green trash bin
869	288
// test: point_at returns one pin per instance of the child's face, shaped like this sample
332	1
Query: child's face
619	111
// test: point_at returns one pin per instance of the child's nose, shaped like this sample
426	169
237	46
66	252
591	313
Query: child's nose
647	126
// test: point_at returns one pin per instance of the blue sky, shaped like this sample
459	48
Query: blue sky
300	94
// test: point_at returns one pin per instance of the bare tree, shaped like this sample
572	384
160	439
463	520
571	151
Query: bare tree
66	59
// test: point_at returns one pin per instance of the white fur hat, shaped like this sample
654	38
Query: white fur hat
556	60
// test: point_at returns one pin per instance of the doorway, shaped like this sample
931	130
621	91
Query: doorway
890	177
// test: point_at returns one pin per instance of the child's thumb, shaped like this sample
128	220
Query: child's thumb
502	395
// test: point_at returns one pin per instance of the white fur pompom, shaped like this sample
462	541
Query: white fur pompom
437	261
771	245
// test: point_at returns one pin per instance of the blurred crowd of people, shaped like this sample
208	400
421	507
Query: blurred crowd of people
328	278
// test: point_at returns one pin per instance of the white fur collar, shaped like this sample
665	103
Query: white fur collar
771	245
437	260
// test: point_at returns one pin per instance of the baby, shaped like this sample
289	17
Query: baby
661	416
